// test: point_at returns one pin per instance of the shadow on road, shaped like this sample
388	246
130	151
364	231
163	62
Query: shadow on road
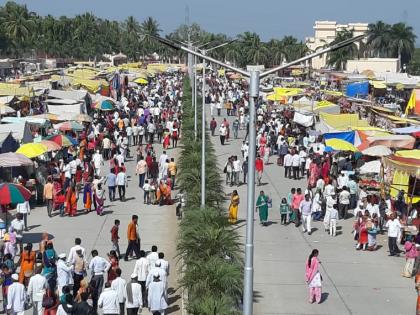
34	237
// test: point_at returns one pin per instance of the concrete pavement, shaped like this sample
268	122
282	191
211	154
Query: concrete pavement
158	226
354	282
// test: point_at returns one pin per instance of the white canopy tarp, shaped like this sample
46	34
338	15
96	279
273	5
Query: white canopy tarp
372	167
75	95
304	119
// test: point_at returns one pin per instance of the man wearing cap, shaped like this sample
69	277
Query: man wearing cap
64	273
108	301
16	297
133	297
156	298
36	289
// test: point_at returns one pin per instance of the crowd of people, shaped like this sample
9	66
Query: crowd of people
80	174
327	187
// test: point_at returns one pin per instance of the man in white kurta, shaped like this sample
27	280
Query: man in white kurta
64	273
36	289
16	297
156	297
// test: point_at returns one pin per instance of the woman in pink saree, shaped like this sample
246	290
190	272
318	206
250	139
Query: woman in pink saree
313	277
314	172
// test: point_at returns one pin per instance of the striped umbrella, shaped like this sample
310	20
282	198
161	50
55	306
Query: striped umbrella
12	193
51	145
69	126
104	104
62	140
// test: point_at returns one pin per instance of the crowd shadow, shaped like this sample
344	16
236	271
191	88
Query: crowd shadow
35	237
31	227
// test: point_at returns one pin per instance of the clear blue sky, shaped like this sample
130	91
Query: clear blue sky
269	18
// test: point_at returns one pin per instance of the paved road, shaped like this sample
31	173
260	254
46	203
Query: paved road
158	226
354	282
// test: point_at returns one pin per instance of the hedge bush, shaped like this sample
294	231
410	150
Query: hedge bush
208	247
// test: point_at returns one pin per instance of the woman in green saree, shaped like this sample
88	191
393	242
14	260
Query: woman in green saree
262	208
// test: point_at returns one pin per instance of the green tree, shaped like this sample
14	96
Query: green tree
402	42
18	24
338	58
379	36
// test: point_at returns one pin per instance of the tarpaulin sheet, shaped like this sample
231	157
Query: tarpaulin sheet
304	120
357	88
346	136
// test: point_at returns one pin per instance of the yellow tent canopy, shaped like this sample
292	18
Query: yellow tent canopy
340	145
410	154
324	104
92	86
17	91
343	121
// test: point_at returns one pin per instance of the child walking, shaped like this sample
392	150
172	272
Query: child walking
284	211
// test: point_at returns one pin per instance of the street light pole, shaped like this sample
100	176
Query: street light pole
255	77
195	97
203	137
254	86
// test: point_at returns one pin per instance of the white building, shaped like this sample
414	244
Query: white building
373	64
325	33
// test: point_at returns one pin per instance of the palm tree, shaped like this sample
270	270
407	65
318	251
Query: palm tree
338	58
379	39
402	42
150	28
18	24
276	52
255	52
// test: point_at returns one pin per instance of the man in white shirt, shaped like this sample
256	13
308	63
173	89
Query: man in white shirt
98	161
342	180
141	269
36	289
106	146
118	285
64	273
16	297
394	230
25	209
133	296
237	167
121	182
157	299
108	301
344	203
18	226
72	253
152	257
164	264
222	133
295	165
99	266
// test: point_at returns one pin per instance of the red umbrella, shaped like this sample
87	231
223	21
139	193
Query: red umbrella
12	193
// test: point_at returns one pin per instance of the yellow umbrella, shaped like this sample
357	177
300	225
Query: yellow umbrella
141	81
32	150
340	145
